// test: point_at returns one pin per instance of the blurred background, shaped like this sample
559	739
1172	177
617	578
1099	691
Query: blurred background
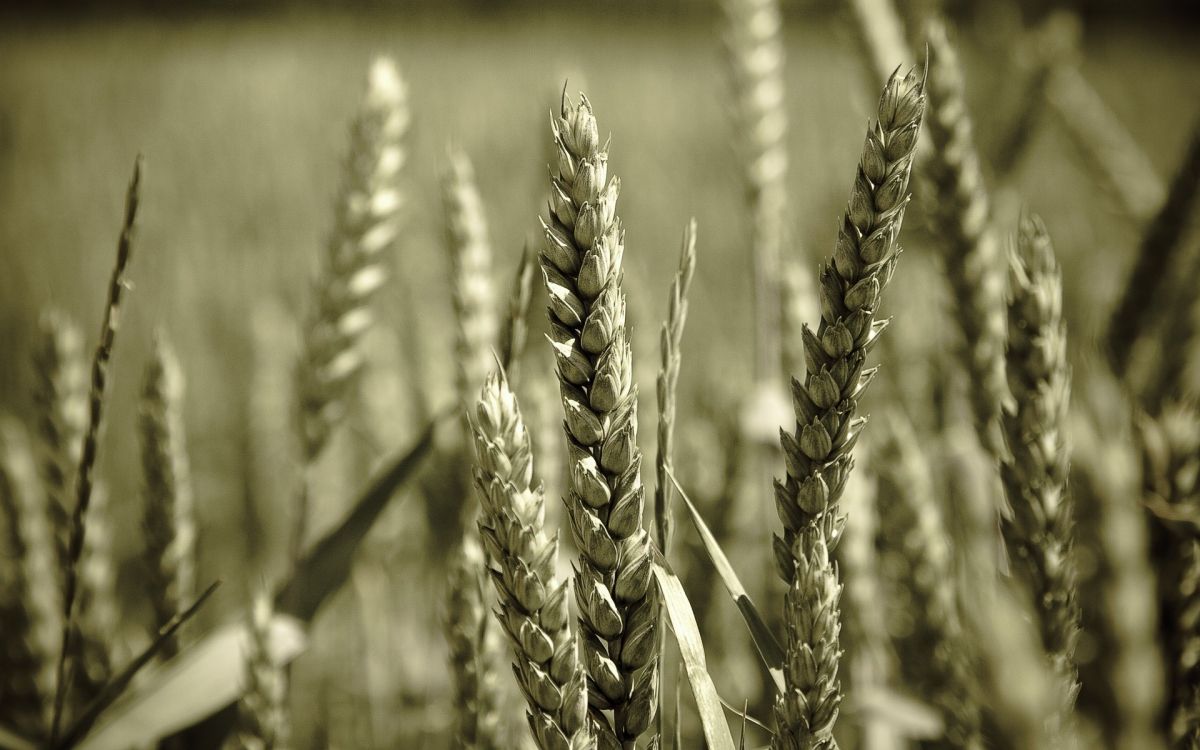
241	109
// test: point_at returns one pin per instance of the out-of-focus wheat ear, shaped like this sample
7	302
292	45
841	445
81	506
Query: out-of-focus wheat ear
818	455
1170	446
935	656
800	305
1158	260
168	516
1039	531
470	250
883	36
1044	49
670	339
970	247
534	601
1123	683
98	645
754	58
515	332
263	720
1107	147
582	269
29	605
84	475
353	267
61	400
475	653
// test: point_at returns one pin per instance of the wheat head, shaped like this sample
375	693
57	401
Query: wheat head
474	650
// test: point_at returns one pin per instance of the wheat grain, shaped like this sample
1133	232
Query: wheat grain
581	264
534	604
263	722
818	455
670	340
515	333
473	651
1038	535
971	249
470	251
168	518
84	479
754	59
917	561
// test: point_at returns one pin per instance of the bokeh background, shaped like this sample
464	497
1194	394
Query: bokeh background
240	111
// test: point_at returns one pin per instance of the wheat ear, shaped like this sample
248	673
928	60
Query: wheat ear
1039	532
581	265
971	249
1157	259
917	556
819	455
515	333
472	648
366	222
754	59
471	277
263	722
670	339
97	641
84	477
534	605
168	519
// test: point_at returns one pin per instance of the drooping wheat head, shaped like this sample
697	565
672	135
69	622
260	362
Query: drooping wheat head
168	517
581	264
918	573
533	602
263	721
970	247
1038	533
818	455
754	59
474	651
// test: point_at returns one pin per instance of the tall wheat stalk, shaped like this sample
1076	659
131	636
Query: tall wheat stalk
962	222
534	606
1039	532
818	455
168	518
581	265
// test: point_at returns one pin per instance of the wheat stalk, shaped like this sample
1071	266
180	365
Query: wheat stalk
84	478
515	333
818	455
168	519
534	605
477	328
917	556
670	340
1157	260
1038	535
263	722
581	264
754	59
473	650
971	249
366	222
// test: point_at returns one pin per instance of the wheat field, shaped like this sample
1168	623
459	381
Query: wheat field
499	378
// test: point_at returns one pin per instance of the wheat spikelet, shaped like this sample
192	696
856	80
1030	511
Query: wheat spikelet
366	223
754	58
534	605
1038	534
84	478
971	249
818	455
473	651
918	566
471	277
515	333
668	378
1107	146
581	264
168	518
1157	260
263	722
60	397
